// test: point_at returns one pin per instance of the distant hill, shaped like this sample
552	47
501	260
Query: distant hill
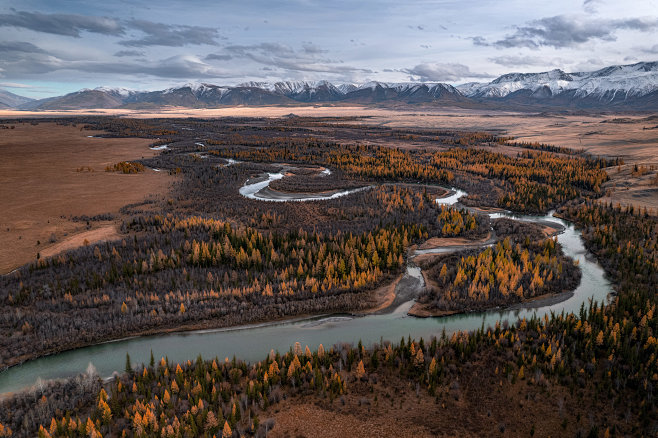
11	100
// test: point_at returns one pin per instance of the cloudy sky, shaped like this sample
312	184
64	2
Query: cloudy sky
49	47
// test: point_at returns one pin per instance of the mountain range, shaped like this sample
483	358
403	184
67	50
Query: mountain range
618	87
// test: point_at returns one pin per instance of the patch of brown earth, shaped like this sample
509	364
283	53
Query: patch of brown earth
479	402
384	296
103	233
420	310
438	242
50	173
307	420
628	187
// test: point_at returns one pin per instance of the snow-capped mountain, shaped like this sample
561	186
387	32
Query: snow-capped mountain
116	91
309	91
631	87
347	88
264	93
303	91
610	84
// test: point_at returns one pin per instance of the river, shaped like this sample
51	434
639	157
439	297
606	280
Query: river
253	342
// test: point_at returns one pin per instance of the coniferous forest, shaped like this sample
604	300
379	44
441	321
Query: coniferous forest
205	256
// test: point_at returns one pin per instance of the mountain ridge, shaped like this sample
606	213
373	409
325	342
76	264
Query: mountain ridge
629	87
11	100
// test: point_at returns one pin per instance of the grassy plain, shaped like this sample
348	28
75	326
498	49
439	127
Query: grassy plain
51	173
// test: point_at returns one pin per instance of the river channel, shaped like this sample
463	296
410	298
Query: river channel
253	342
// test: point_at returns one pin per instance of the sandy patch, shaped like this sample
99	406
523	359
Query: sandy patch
421	259
550	231
439	242
420	310
384	296
101	234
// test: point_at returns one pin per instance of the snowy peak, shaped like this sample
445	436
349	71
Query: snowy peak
324	91
117	91
262	85
309	91
201	88
553	75
347	88
609	83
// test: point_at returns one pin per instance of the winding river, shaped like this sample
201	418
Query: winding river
260	190
253	342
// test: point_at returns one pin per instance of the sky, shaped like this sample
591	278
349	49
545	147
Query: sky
52	47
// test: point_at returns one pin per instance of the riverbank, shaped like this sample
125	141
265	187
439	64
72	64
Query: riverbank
384	296
197	327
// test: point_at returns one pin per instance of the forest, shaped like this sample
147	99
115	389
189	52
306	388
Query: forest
174	269
205	256
501	275
604	357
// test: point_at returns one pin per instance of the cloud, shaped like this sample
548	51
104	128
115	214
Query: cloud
159	34
653	49
429	72
16	62
479	41
179	66
19	58
590	5
17	53
312	49
285	57
155	34
218	57
567	31
15	85
18	46
62	24
122	53
508	61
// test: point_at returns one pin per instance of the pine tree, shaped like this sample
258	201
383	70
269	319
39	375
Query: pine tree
227	432
360	370
211	422
419	358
